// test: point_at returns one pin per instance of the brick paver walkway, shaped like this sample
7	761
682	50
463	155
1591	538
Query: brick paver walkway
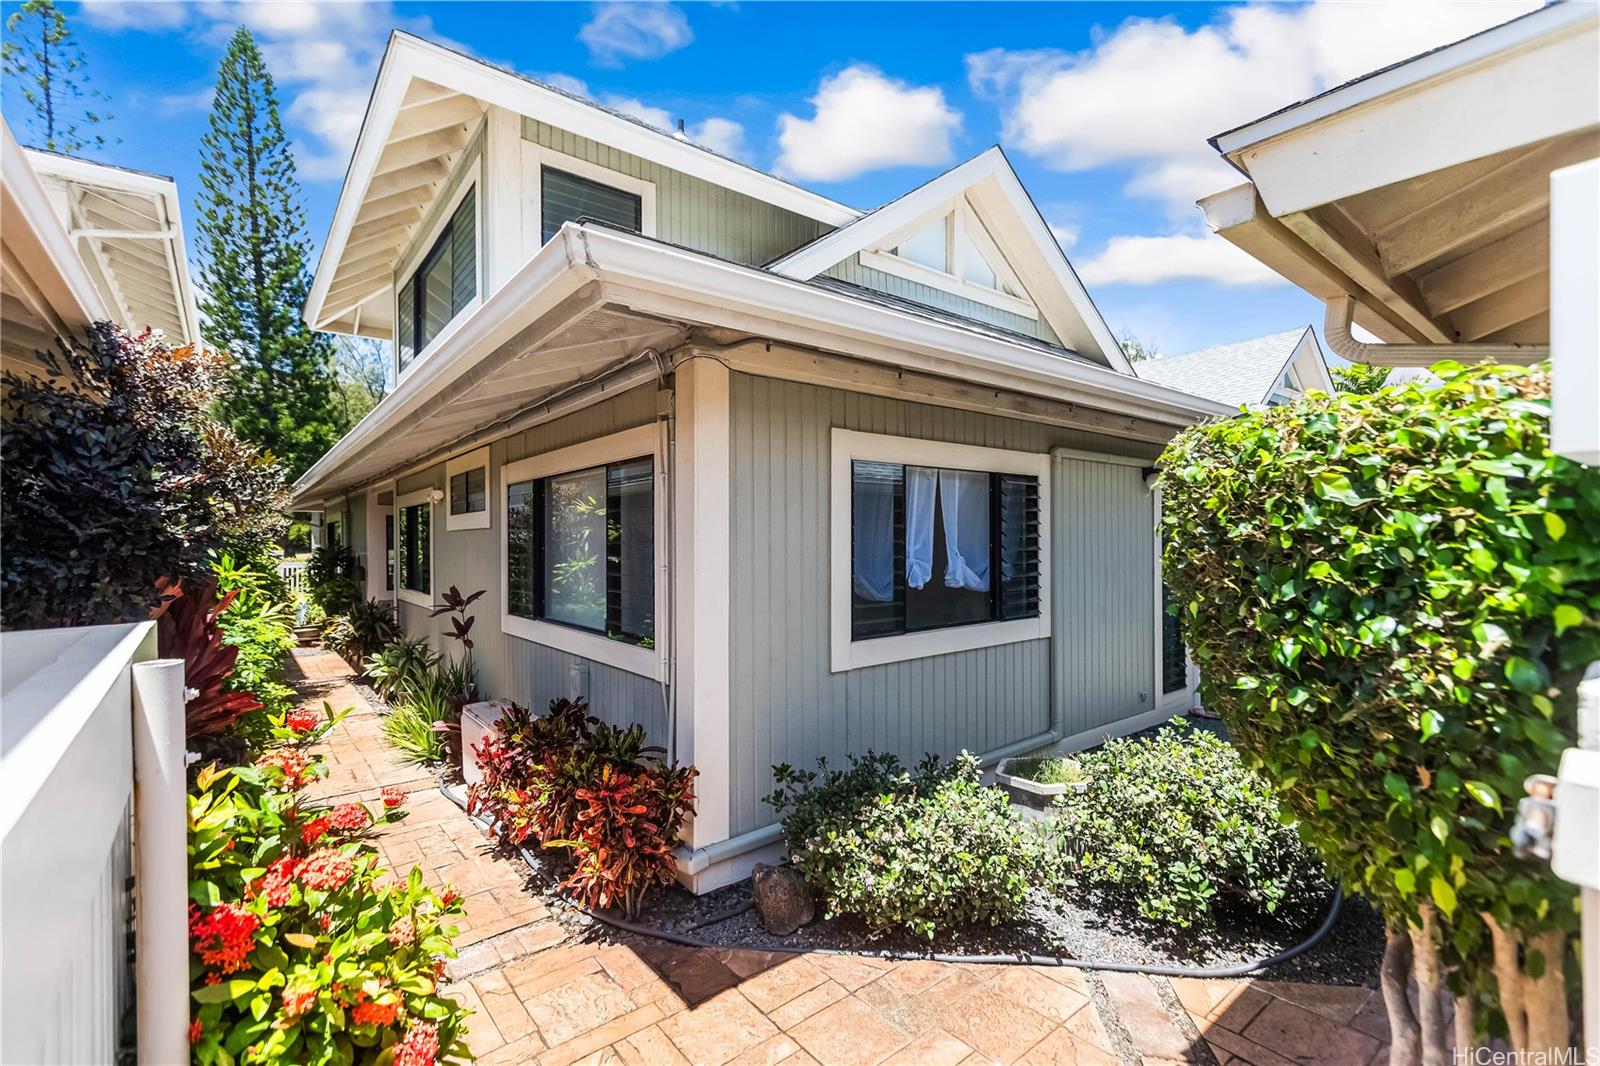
551	991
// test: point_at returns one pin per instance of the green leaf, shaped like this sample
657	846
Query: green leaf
1565	615
1396	786
1443	895
1526	676
1332	486
1554	525
1483	794
1405	881
224	991
1431	722
1440	827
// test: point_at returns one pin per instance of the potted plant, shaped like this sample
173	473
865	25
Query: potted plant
1037	780
466	690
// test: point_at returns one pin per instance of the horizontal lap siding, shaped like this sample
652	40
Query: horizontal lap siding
787	706
510	667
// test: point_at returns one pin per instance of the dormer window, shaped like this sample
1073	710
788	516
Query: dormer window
567	197
954	252
441	286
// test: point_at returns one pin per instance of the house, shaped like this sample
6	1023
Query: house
777	478
86	242
1263	372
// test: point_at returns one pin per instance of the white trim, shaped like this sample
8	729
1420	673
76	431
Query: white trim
377	560
902	267
1177	700
1100	457
535	156
628	444
959	220
847	445
461	464
407	269
403	594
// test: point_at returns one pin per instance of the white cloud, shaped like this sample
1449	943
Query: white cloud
866	121
719	134
634	30
722	135
135	15
178	103
1150	260
1066	236
1150	93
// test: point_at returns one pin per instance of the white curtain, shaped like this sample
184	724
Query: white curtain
872	539
922	490
964	498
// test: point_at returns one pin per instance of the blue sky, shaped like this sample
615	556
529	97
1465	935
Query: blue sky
1103	108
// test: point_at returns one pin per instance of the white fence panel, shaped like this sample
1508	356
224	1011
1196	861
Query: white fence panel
66	793
293	573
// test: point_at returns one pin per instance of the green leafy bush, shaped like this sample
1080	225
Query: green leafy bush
929	851
400	665
364	628
1180	829
331	578
1391	599
301	950
409	725
262	628
1050	770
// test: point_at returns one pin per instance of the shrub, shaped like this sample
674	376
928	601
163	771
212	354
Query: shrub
331	578
262	628
1178	827
115	450
409	725
400	665
929	851
1391	602
365	627
301	950
189	627
568	780
1050	770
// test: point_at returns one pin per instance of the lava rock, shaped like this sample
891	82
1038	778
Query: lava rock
783	901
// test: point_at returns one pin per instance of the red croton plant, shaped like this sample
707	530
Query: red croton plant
188	628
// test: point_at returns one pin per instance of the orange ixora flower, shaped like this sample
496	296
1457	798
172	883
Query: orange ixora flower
367	1012
326	869
223	936
302	722
196	1030
350	817
393	796
420	1046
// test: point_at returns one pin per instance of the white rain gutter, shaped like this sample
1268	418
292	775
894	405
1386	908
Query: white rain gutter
1336	330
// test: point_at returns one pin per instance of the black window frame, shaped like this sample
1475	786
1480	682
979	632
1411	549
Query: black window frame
468	493
414	546
388	551
546	232
526	577
1014	555
415	283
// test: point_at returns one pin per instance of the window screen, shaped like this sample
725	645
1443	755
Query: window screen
568	198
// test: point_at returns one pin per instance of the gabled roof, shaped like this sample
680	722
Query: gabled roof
993	190
1240	375
426	104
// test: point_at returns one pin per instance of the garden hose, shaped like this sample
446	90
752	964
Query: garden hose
1244	969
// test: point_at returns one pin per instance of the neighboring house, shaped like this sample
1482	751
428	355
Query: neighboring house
1263	372
86	242
775	478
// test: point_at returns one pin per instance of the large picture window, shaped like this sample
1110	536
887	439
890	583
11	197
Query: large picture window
442	285
580	550
414	551
936	548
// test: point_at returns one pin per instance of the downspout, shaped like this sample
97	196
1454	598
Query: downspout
1336	331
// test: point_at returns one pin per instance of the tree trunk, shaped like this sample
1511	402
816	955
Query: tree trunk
1508	977
1405	1038
1545	998
1431	994
1464	1028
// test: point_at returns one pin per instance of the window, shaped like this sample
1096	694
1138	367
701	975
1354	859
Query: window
568	197
936	548
335	534
1174	666
388	552
955	253
443	284
415	548
933	548
581	550
467	491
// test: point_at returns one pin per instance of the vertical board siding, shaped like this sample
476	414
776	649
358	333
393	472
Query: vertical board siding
509	667
1103	526
853	271
689	211
787	704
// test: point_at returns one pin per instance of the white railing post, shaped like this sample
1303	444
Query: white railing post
161	822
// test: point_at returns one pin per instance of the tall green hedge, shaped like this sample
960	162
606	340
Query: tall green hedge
1391	598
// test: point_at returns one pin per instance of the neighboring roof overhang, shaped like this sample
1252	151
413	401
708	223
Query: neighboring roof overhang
1422	191
590	302
424	108
127	227
45	289
992	188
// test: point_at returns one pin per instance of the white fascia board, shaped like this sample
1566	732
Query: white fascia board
1485	100
1060	295
72	281
411	57
1404	75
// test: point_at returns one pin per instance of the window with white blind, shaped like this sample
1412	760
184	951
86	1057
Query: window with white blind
444	282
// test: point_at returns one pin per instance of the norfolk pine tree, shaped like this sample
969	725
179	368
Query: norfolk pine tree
252	252
48	66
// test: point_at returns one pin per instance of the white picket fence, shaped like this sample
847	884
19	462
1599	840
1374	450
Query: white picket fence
293	572
93	869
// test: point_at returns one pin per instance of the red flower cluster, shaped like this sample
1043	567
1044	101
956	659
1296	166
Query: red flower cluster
314	830
393	796
277	881
295	765
448	895
297	1000
367	1012
403	931
350	817
326	869
223	936
420	1046
302	722
195	1031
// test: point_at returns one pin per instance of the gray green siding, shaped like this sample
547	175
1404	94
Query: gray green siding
853	271
510	667
690	211
786	704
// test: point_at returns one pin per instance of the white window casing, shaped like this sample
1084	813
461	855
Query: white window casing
629	444
461	464
408	267
963	231
850	445
412	499
536	156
